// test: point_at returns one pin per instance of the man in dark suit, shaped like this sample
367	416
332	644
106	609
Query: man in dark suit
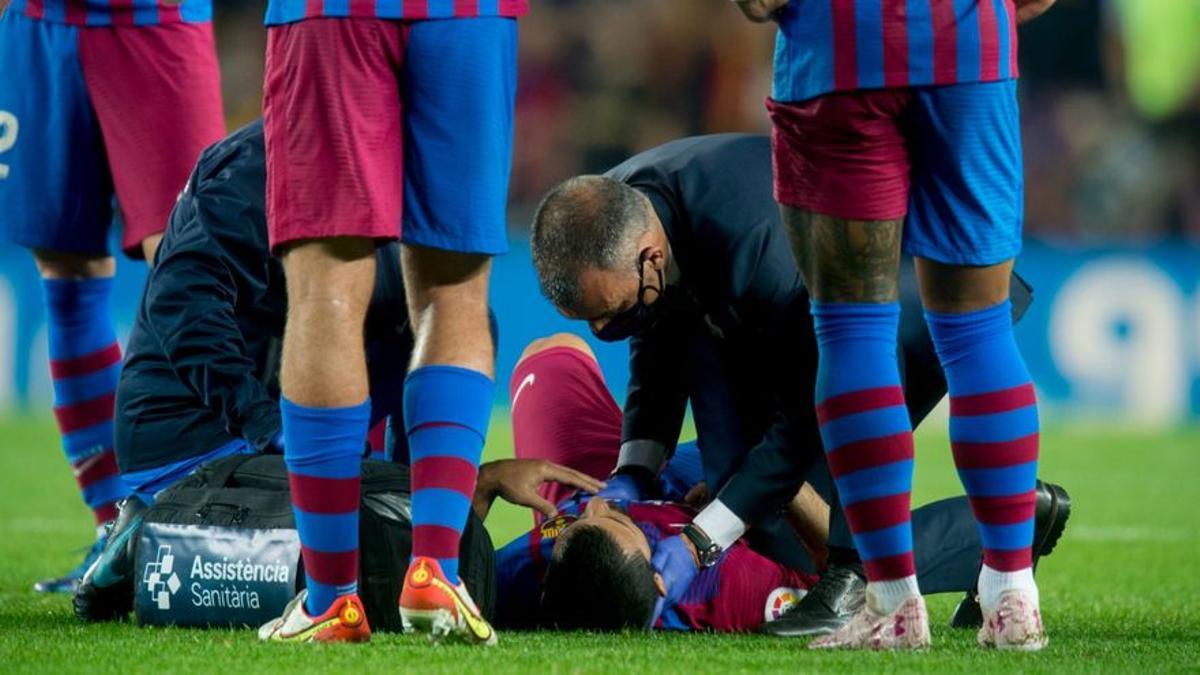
681	250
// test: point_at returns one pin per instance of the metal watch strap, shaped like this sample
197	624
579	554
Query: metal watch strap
707	550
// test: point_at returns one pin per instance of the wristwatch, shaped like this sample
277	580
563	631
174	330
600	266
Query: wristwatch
707	550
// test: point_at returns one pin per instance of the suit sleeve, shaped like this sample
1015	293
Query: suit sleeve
190	304
656	399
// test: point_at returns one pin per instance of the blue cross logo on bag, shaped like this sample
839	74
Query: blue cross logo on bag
160	578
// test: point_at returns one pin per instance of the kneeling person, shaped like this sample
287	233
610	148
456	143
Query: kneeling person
200	380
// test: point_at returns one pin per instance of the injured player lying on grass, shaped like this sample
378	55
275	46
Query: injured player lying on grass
589	567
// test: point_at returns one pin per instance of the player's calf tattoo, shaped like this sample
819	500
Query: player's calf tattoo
846	260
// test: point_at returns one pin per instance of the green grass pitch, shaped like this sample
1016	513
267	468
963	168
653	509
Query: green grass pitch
1119	594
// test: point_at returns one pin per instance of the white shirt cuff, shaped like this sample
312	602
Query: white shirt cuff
642	452
720	524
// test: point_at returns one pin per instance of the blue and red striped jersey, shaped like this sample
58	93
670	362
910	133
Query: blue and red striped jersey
115	12
844	45
288	11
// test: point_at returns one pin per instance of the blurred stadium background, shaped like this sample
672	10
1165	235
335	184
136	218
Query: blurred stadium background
1111	98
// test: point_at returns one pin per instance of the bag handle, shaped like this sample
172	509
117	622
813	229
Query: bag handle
219	473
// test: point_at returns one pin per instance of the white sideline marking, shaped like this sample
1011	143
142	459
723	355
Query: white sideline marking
1129	533
39	526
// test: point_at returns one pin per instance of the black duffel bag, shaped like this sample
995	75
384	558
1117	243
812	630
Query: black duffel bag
220	547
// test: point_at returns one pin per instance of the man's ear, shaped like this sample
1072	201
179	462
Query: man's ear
660	584
656	256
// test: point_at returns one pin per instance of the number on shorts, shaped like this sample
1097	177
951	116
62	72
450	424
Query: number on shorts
8	137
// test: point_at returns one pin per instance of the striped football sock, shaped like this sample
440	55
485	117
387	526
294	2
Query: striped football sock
446	415
994	434
867	434
85	362
323	451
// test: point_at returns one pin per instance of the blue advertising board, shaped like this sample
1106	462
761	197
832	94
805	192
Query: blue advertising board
1113	331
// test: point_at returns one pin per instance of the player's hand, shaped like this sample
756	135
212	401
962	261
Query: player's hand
697	497
517	481
1028	10
621	487
675	559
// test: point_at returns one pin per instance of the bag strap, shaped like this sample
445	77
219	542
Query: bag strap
219	473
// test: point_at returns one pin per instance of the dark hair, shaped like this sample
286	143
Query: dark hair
591	584
585	221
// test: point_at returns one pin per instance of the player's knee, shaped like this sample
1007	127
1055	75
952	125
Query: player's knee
66	265
430	269
337	274
557	340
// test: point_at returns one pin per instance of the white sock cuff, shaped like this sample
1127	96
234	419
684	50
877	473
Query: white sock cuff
993	583
885	596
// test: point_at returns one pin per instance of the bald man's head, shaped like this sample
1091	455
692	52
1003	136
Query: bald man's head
586	222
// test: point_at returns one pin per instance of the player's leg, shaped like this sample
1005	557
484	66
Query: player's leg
156	91
966	229
55	200
841	170
459	90
331	193
562	412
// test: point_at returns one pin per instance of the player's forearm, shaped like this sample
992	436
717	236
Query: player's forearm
759	11
808	514
486	490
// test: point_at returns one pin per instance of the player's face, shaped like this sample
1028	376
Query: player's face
616	523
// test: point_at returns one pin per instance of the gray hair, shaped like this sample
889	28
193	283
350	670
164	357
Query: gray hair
585	221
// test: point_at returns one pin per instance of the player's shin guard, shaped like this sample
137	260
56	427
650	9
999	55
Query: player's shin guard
323	451
994	434
85	362
446	415
867	435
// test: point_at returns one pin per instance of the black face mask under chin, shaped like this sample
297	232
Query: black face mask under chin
638	318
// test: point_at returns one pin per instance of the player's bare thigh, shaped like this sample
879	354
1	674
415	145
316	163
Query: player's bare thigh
844	260
956	289
562	410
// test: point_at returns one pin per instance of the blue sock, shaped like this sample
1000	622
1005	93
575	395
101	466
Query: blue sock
85	363
323	451
993	428
446	415
866	430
